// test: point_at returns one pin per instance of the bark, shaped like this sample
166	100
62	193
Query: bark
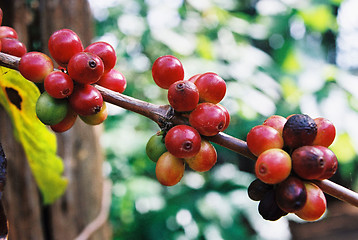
79	147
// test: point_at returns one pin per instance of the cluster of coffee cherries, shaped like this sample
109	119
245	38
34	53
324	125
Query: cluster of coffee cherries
197	99
291	153
68	90
9	42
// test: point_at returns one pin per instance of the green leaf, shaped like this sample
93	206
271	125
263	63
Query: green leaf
18	96
319	18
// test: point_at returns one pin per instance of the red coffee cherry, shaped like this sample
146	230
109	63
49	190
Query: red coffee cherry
315	205
183	96
273	166
277	122
86	100
257	189
35	66
13	47
113	80
299	130
183	141
66	123
326	132
227	115
308	162
261	138
331	164
1	15
208	118
106	52
212	88
194	77
58	84
97	118
8	32
63	44
291	194
85	68
167	70
205	159
169	169
268	208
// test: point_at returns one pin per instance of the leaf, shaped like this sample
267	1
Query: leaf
18	96
319	18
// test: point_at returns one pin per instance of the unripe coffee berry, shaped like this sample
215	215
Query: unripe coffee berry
205	159
169	169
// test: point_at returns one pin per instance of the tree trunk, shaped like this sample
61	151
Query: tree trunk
79	147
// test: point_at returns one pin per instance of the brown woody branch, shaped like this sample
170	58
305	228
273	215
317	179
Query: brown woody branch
163	115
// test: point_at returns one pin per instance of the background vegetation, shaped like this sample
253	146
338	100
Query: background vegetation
277	57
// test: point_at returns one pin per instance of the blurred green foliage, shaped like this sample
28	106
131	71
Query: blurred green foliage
277	57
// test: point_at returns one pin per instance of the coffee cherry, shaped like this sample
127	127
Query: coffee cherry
299	130
227	115
106	52
208	118
35	66
86	100
63	44
50	110
331	164
183	141
85	68
261	138
257	189
194	77
277	122
315	205
169	169
113	80
326	132
183	96
167	70
8	32
97	118
13	47
66	123
205	159
155	147
308	162
291	194
273	166
58	84
268	208
1	15
212	88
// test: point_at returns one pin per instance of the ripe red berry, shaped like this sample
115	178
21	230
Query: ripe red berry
63	44
1	15
227	115
106	52
183	96
167	70
208	118
291	194
261	138
205	159
212	88
13	47
326	132
35	66
308	162
273	166
86	100
97	118
85	68
183	141
194	77
276	121
66	123
169	169
58	84
113	80
331	164
315	205
8	32
299	130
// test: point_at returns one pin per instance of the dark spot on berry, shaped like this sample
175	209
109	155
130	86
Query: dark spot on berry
92	63
180	86
97	109
187	145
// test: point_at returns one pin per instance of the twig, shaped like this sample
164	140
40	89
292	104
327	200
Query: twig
102	217
162	114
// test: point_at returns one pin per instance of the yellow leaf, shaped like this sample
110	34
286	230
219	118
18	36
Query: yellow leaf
18	96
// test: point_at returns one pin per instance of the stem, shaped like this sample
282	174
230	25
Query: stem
164	116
